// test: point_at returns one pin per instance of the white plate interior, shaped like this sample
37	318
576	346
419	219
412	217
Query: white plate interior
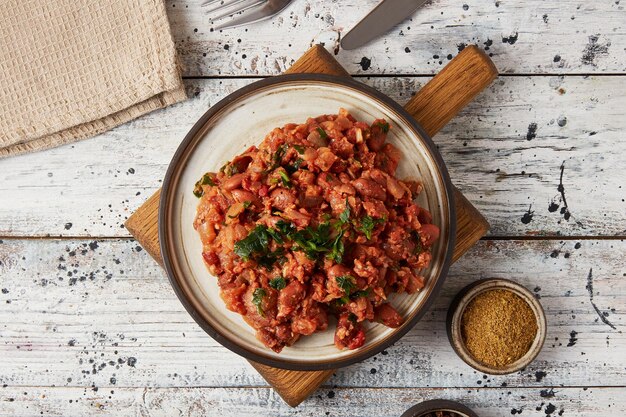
246	122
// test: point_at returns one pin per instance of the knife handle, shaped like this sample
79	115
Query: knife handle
470	72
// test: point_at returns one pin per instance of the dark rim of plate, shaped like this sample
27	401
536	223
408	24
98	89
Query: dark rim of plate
165	200
431	406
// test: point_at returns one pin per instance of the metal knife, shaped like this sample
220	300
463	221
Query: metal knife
385	16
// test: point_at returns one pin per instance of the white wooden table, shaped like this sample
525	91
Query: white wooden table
90	326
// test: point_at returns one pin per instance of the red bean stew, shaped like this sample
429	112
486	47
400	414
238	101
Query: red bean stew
313	223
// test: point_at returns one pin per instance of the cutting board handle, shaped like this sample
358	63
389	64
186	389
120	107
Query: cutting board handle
453	88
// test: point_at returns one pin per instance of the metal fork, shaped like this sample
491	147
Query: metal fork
250	10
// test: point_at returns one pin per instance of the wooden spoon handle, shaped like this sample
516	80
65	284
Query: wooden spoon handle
448	92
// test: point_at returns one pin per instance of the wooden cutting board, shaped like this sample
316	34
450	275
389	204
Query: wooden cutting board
433	106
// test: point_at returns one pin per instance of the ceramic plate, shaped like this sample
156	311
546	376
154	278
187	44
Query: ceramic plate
243	119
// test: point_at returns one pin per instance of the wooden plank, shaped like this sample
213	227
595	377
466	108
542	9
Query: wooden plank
336	402
530	36
91	187
79	306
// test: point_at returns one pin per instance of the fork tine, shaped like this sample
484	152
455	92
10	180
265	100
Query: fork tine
215	5
259	13
209	2
242	5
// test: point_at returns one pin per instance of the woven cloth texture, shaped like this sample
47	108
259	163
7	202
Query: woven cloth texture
71	69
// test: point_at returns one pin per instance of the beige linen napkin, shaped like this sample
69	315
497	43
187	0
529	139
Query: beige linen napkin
70	69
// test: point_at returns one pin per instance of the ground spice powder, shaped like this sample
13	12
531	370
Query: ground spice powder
498	327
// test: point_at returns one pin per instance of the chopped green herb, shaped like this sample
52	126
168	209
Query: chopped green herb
360	293
268	260
298	163
299	148
346	283
322	133
367	225
342	301
285	178
205	180
247	204
257	300
285	227
277	158
275	235
231	170
383	126
314	241
296	166
278	283
418	243
197	190
337	249
344	217
255	242
326	217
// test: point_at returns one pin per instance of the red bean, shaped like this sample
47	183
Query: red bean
233	182
281	198
388	315
369	188
242	196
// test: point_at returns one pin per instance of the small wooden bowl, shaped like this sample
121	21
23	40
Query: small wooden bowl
439	405
457	308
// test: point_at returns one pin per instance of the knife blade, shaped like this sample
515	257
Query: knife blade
384	16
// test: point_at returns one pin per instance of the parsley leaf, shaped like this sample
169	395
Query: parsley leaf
383	126
322	133
313	241
205	180
285	227
341	301
284	178
197	190
278	283
344	217
275	235
255	242
298	163
257	300
229	169
277	158
418	243
267	260
360	293
337	249
367	225
346	282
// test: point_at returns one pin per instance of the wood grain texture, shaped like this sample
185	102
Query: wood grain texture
255	402
317	60
443	97
293	386
475	71
90	188
79	310
470	225
522	37
144	223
